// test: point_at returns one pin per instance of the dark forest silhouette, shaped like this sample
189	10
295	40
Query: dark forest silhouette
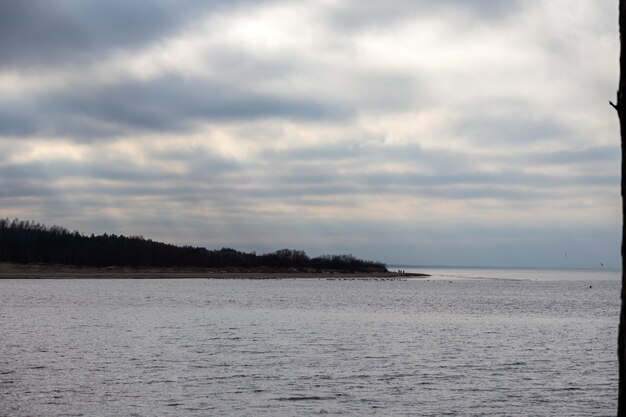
31	242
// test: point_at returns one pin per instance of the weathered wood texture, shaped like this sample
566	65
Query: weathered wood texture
620	106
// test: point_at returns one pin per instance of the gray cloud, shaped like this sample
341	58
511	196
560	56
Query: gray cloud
200	166
21	187
113	170
165	104
40	33
15	120
334	138
502	120
592	155
512	127
502	178
368	14
203	180
372	150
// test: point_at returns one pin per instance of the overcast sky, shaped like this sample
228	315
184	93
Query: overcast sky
458	132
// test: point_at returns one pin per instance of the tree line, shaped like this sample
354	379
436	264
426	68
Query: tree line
24	241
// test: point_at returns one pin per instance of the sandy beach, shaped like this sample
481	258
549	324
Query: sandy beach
52	271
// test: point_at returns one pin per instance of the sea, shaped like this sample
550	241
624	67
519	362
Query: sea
463	342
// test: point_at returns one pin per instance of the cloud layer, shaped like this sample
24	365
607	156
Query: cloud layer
473	133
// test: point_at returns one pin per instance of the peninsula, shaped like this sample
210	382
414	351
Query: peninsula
30	249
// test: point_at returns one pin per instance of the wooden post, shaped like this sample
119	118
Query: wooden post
621	111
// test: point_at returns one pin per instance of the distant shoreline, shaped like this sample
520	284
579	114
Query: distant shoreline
55	271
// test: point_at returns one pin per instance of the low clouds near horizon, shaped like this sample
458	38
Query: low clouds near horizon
415	132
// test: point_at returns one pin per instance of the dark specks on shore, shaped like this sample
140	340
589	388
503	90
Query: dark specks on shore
54	271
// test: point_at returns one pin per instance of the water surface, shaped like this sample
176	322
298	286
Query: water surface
194	347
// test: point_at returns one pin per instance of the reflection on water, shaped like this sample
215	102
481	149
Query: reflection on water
302	347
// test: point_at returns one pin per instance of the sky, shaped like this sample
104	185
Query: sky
458	132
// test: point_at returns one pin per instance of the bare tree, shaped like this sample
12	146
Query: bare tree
620	106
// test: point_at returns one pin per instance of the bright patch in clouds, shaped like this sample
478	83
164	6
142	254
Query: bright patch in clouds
457	133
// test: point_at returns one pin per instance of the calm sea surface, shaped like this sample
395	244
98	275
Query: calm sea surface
464	343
